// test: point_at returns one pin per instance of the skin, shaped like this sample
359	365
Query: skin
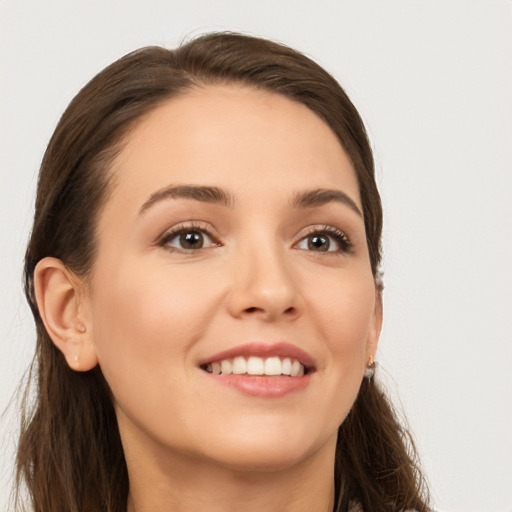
151	311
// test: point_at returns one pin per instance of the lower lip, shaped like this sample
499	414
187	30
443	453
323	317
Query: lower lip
262	385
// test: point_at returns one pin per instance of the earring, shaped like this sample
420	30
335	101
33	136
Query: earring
76	360
370	368
81	328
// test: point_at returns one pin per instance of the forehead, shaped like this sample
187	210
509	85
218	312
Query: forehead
245	139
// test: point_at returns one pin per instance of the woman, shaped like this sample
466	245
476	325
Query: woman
204	275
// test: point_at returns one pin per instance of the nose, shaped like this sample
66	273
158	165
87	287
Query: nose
264	285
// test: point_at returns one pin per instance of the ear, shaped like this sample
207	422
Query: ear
58	294
376	326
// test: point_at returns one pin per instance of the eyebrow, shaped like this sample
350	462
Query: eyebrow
321	196
201	193
215	195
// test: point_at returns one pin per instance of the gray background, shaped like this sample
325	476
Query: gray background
433	81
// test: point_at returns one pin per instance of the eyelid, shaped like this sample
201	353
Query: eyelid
340	235
184	227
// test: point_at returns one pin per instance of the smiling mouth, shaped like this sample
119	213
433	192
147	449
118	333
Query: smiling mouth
257	366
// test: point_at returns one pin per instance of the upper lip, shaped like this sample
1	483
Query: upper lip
261	349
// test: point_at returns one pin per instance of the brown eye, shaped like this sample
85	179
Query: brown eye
318	243
191	240
328	239
188	239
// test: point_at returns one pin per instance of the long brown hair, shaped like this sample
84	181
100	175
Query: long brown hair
70	456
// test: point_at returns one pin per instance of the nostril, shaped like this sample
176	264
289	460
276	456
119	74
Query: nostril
253	309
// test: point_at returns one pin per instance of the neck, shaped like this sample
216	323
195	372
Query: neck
179	483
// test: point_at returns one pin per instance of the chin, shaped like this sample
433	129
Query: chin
256	461
268	452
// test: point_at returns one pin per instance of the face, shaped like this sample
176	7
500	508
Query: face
232	305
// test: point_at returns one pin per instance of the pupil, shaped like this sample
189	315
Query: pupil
191	240
318	243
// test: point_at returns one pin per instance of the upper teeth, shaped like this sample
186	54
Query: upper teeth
257	366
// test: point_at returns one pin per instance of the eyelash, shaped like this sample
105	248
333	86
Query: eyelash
183	229
344	243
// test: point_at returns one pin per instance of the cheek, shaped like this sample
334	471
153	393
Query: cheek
344	317
145	321
347	315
